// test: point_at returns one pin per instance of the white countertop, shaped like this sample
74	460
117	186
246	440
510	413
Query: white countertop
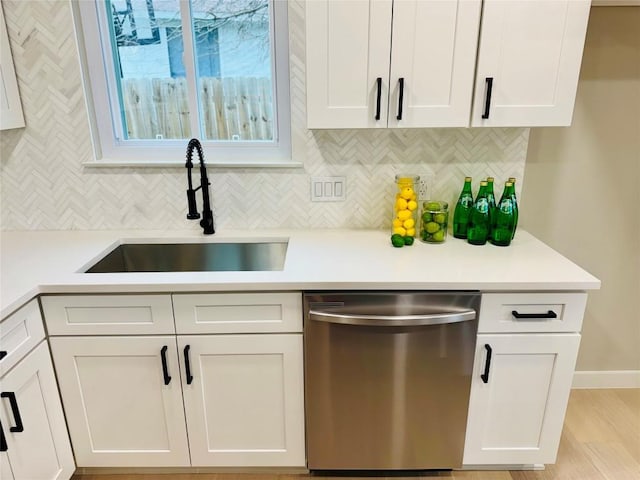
33	262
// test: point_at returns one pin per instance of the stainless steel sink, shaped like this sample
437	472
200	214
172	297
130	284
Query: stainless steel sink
193	257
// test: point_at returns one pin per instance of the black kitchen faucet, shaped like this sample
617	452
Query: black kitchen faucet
207	215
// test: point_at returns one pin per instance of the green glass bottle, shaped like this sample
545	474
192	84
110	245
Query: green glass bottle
463	210
479	225
515	206
504	221
491	198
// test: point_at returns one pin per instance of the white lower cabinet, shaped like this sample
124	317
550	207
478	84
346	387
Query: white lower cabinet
243	397
37	444
124	408
519	394
226	400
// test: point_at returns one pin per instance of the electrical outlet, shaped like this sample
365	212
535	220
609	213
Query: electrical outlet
328	189
422	189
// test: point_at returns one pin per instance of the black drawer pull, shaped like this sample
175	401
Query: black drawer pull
549	314
378	97
487	364
3	354
187	365
400	98
165	369
487	100
15	410
3	440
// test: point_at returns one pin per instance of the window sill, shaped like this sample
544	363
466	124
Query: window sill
117	163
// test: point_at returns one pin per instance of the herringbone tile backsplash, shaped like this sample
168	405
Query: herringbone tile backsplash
45	186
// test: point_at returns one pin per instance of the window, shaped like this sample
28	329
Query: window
159	72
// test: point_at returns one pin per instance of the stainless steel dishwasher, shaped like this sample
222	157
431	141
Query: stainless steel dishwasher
387	378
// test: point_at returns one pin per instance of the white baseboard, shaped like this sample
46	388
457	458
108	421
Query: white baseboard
607	379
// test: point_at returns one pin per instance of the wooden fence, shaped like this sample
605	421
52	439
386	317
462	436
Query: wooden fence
231	108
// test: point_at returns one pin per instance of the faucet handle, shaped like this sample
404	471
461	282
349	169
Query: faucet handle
193	207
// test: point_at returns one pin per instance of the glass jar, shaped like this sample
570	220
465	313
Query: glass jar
434	221
405	207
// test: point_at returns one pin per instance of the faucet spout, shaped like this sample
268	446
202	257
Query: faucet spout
207	215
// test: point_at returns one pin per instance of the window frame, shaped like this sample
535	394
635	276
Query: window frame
105	118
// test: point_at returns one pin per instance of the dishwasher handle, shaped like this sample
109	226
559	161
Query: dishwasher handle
392	320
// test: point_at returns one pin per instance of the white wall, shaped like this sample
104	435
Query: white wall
582	189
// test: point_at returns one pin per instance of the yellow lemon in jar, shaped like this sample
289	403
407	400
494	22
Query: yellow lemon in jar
409	223
412	205
411	232
401	204
397	222
407	193
404	214
400	231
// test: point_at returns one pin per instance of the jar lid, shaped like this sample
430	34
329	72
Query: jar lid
407	178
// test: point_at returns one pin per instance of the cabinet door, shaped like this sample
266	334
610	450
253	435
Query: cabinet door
348	45
516	416
5	468
121	410
532	53
10	106
244	405
30	397
434	51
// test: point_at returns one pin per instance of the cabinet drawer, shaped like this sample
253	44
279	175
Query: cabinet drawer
238	312
108	314
531	312
19	333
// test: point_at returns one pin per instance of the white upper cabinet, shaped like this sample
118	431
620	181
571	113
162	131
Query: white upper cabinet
434	54
380	63
10	106
528	62
348	49
412	63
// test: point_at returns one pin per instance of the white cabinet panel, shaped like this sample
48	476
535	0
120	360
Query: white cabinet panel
19	333
10	107
108	314
41	450
531	312
238	312
434	51
120	408
519	393
532	53
348	48
244	405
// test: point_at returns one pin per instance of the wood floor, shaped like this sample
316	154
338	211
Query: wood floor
600	441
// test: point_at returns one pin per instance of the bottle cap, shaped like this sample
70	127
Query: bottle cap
508	184
467	179
512	179
490	179
483	183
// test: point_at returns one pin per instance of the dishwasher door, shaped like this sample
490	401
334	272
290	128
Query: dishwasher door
387	379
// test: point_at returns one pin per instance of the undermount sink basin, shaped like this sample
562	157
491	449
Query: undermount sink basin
193	257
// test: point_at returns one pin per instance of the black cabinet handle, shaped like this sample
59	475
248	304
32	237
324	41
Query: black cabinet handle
378	97
549	314
3	354
487	100
487	364
400	98
3	440
187	365
165	370
15	410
